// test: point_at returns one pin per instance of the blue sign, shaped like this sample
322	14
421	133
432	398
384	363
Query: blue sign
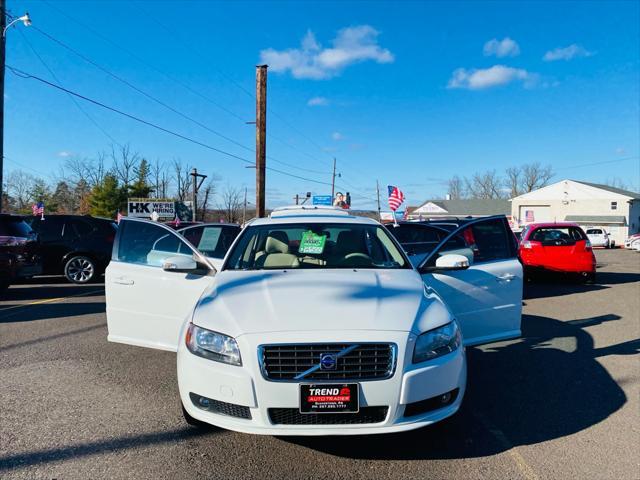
322	200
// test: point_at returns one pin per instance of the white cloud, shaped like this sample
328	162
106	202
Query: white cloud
478	79
501	48
64	154
621	151
337	136
311	60
566	53
318	102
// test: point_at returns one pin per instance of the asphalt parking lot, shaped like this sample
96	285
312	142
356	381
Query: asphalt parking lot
561	402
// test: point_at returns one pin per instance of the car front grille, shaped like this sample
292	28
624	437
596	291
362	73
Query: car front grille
366	361
292	416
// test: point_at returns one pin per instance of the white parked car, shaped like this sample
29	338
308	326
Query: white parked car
633	242
316	323
599	237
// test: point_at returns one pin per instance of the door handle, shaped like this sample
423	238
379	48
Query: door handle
123	281
507	277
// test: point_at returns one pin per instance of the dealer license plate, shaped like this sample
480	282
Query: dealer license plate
329	398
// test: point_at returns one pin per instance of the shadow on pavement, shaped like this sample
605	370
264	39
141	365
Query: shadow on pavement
103	446
48	311
20	292
545	386
48	338
555	285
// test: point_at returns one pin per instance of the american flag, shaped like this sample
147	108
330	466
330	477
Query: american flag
118	216
38	208
396	197
177	221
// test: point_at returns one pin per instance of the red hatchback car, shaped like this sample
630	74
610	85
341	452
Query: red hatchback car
557	247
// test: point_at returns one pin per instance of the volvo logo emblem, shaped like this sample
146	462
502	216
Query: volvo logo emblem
328	361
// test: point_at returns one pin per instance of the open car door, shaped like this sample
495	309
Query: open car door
484	292
152	283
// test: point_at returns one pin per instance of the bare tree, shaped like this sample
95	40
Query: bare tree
124	163
90	171
484	185
204	197
182	178
513	181
455	188
232	202
20	187
535	176
161	178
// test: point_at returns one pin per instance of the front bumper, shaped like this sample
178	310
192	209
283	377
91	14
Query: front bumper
245	387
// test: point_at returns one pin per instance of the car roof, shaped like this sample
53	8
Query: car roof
316	214
554	224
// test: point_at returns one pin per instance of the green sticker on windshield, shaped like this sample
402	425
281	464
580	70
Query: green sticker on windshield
312	243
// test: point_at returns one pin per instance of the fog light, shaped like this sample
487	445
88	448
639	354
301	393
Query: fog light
445	398
204	402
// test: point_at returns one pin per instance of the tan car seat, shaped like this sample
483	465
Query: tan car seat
276	252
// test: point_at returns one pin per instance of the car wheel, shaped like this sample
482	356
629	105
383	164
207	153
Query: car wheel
194	422
590	278
80	269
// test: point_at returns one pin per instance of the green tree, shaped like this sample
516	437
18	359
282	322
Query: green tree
40	192
107	197
63	198
82	197
141	188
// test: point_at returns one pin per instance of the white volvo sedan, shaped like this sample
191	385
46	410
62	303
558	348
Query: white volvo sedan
315	322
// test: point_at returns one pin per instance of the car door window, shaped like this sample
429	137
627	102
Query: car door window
146	244
212	240
49	229
79	227
483	241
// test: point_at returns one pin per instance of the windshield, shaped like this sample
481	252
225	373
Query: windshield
315	246
212	240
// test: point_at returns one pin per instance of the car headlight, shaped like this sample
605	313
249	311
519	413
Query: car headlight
213	345
437	342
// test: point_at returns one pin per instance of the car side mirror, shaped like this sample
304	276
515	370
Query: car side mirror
179	263
451	261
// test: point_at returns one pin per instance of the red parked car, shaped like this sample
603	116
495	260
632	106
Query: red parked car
557	247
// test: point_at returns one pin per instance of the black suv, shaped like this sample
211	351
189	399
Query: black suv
18	250
77	246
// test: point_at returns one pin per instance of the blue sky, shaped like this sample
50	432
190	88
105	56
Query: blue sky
409	93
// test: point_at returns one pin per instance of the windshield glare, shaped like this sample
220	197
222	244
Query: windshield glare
315	246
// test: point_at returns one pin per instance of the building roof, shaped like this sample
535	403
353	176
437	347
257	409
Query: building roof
465	207
619	191
596	219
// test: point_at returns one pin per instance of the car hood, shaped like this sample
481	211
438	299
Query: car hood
246	302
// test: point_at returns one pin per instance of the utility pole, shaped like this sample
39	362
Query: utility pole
194	193
261	134
333	180
3	21
244	210
297	198
378	192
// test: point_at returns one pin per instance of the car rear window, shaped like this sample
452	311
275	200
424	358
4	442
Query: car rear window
14	227
553	235
594	231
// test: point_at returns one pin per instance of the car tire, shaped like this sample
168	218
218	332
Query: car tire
590	278
194	422
80	270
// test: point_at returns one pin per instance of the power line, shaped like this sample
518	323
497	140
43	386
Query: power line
76	103
600	163
26	75
163	104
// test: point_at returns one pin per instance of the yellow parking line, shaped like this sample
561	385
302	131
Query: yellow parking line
50	300
519	460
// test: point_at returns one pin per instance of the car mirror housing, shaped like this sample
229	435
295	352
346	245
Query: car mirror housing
451	261
179	263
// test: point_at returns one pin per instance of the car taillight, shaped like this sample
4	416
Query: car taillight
527	244
110	238
587	245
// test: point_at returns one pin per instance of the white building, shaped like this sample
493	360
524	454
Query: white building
588	204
